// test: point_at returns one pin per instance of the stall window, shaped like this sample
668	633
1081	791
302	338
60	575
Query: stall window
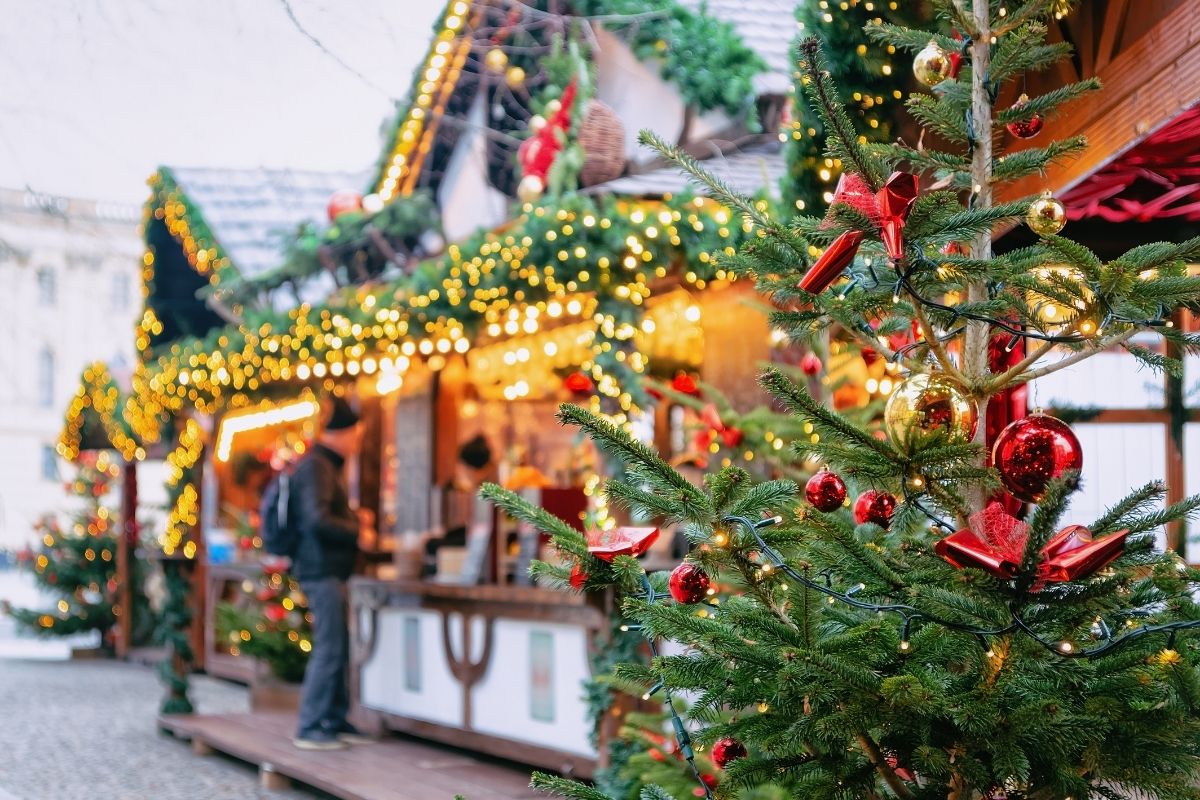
47	286
46	378
49	463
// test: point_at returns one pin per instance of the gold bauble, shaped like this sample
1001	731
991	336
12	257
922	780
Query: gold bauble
515	77
496	59
925	409
530	188
1046	216
932	64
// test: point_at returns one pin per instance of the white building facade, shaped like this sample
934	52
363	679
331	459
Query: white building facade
69	295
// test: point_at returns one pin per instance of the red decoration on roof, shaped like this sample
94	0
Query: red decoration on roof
1157	179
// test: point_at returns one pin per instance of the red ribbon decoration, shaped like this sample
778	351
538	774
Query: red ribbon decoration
832	262
537	153
896	198
888	208
607	545
1006	406
1069	555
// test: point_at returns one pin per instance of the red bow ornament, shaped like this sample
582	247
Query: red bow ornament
887	208
995	543
607	545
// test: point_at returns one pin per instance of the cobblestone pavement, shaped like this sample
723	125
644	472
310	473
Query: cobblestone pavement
85	730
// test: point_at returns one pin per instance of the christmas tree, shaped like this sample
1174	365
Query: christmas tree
936	637
78	561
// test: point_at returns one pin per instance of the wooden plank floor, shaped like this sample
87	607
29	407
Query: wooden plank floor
391	769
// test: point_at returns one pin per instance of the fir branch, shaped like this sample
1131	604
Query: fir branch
1035	159
939	116
624	446
565	537
1133	503
842	139
764	497
799	401
1045	516
1158	255
1046	103
564	787
911	39
1156	362
969	222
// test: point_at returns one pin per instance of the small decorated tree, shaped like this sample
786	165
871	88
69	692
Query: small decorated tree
77	560
955	633
270	622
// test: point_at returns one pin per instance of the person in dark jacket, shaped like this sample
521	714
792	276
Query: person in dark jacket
328	532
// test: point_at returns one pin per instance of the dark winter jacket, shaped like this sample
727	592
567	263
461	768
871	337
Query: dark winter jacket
320	509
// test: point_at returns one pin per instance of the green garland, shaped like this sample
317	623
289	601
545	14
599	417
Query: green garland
174	632
704	57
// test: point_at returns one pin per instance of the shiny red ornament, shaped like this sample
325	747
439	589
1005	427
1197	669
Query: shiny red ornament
275	613
578	577
726	750
876	507
607	545
1026	128
688	583
811	364
685	384
577	383
825	491
1033	451
343	201
869	355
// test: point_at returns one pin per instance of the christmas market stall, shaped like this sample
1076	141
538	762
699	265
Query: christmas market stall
607	274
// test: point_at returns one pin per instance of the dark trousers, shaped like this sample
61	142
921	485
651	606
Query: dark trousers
325	696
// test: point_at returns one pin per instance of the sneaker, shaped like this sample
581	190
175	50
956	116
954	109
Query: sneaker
352	735
319	740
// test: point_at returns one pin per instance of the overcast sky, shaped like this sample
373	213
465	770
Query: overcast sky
94	94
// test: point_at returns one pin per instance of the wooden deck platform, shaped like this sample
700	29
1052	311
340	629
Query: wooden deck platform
391	769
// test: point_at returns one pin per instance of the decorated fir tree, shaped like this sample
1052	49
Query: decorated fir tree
269	621
77	561
918	621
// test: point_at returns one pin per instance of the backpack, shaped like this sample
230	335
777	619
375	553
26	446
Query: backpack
279	538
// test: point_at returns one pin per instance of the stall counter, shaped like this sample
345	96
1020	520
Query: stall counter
495	669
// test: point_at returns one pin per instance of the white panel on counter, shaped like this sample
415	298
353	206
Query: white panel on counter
408	673
1107	380
533	689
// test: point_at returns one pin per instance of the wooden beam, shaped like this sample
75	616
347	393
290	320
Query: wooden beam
1145	86
1114	23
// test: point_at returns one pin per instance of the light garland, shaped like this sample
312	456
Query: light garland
500	284
98	394
184	513
266	415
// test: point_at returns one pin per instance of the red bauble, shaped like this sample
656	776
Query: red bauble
1025	128
826	491
876	507
685	384
578	577
810	364
275	613
579	384
869	356
732	437
1033	451
689	583
343	201
726	750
